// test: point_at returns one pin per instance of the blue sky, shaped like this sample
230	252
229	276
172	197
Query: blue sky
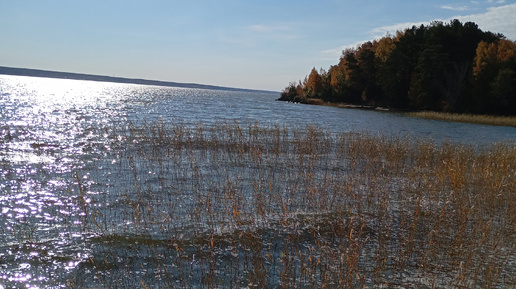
249	44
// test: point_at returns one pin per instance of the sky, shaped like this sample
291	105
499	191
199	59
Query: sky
235	43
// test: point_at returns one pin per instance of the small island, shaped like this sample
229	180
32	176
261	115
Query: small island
443	67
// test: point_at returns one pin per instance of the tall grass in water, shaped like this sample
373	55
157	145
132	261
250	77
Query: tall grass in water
468	118
253	206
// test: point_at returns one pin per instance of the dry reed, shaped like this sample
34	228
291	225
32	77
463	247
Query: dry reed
256	206
468	118
228	206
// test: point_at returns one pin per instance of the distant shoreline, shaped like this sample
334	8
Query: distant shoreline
91	77
495	120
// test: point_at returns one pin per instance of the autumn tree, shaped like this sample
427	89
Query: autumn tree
385	46
314	83
289	93
495	65
338	82
451	66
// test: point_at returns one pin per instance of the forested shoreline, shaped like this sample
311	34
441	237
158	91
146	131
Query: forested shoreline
448	67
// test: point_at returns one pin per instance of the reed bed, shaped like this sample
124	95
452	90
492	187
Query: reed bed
264	207
468	118
229	205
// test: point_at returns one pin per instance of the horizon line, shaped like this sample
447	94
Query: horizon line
31	72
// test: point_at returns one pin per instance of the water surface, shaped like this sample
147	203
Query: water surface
57	135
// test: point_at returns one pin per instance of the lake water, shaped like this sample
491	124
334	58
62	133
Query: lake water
53	129
60	110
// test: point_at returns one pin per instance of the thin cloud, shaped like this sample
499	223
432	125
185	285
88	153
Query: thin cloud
267	28
259	28
496	19
278	32
456	8
337	52
258	34
391	29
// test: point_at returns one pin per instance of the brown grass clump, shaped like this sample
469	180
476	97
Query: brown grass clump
315	101
252	206
468	118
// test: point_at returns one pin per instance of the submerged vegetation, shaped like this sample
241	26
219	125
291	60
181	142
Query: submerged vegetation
262	207
450	67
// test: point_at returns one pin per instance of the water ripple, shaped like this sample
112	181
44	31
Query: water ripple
60	136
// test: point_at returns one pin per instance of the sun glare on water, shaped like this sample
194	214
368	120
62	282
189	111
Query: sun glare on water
48	128
43	114
49	91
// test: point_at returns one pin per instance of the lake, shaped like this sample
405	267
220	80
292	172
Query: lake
66	168
65	106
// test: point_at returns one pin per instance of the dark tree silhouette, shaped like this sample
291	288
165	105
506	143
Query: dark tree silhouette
451	67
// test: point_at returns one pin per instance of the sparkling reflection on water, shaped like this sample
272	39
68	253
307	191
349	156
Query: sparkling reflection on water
55	133
49	129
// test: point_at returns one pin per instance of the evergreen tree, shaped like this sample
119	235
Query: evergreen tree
443	66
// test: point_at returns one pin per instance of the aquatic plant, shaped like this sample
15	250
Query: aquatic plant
228	206
231	205
468	118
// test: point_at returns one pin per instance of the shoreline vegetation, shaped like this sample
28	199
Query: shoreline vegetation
495	120
467	118
230	205
450	67
255	206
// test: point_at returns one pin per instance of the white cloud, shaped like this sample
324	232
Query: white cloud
455	8
337	52
496	19
391	29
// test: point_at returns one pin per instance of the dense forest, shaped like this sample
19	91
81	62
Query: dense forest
450	67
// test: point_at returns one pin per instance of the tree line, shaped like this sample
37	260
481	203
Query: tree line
451	67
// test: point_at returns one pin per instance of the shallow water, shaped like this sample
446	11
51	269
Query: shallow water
63	149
